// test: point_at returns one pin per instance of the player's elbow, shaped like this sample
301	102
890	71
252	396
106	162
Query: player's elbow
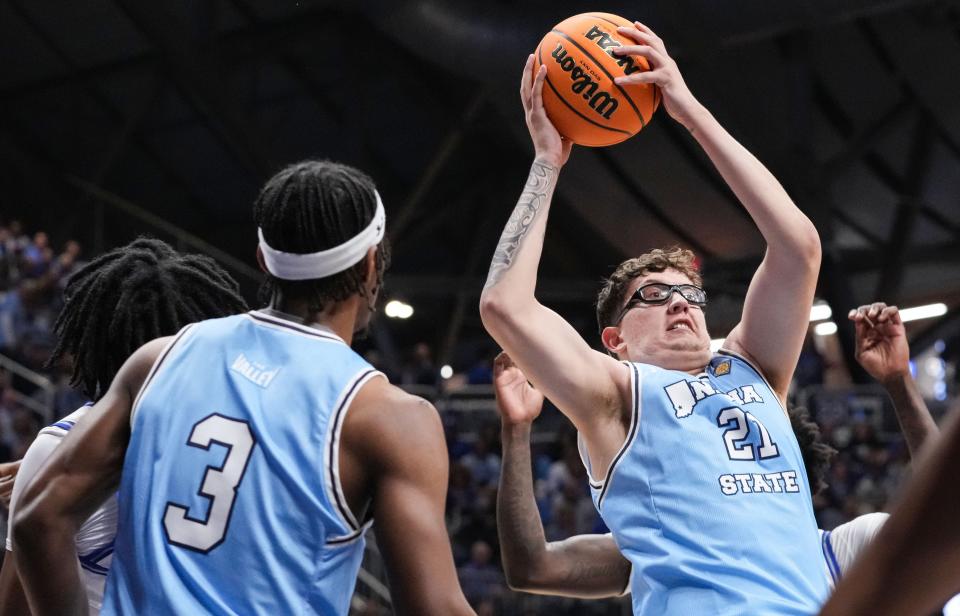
530	576
808	244
31	522
495	310
501	312
800	249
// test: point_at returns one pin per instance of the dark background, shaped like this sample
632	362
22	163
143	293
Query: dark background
114	112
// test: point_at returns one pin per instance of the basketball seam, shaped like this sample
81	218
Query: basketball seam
605	72
569	106
598	16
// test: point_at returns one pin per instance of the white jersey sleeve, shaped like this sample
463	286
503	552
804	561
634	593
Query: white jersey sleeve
842	545
94	539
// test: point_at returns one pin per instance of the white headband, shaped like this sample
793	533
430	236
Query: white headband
297	266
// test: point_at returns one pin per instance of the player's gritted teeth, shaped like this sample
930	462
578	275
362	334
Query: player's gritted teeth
681	325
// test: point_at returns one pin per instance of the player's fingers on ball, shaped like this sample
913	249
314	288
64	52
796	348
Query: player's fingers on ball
635	50
656	77
525	76
658	42
642	27
630	32
537	98
639	37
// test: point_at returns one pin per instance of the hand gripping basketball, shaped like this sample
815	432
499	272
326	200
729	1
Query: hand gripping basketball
580	93
664	72
548	144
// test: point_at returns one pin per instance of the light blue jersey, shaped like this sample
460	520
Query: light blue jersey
708	498
230	500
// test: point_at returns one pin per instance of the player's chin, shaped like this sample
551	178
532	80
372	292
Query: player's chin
691	348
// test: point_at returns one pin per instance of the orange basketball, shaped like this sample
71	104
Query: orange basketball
579	94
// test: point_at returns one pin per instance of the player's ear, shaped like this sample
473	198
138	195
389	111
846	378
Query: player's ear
371	273
260	261
612	340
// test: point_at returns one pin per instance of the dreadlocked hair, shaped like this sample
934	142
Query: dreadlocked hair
129	296
816	454
312	206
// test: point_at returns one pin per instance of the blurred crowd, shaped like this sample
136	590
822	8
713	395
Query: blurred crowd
866	472
32	276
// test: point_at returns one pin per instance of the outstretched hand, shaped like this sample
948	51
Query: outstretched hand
548	144
517	401
881	346
664	73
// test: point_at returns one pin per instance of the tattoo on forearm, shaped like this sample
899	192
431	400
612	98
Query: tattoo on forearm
518	519
538	188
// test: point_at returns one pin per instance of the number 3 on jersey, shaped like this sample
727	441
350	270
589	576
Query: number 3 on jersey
218	484
737	432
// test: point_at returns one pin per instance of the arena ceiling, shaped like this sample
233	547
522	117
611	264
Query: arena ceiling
127	117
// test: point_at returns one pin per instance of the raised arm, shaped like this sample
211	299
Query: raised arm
883	352
587	566
586	385
82	472
399	441
776	311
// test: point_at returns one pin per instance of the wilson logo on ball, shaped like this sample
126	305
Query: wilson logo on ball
584	85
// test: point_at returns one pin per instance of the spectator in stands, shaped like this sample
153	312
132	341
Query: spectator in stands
482	461
480	578
67	263
421	370
37	256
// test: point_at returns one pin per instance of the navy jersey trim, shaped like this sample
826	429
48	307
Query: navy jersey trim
296	328
332	455
58	429
153	371
91	561
350	538
832	565
759	373
631	435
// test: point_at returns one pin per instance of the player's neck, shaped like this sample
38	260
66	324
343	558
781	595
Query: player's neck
338	317
690	362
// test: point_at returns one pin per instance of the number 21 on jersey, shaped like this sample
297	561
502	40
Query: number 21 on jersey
738	422
218	484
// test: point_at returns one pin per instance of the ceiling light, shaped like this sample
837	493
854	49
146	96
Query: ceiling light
827	328
820	312
395	309
923	312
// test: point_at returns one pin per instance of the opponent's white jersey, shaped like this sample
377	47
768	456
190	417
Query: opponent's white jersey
94	539
842	545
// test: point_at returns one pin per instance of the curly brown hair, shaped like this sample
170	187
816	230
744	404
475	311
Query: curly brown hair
611	296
